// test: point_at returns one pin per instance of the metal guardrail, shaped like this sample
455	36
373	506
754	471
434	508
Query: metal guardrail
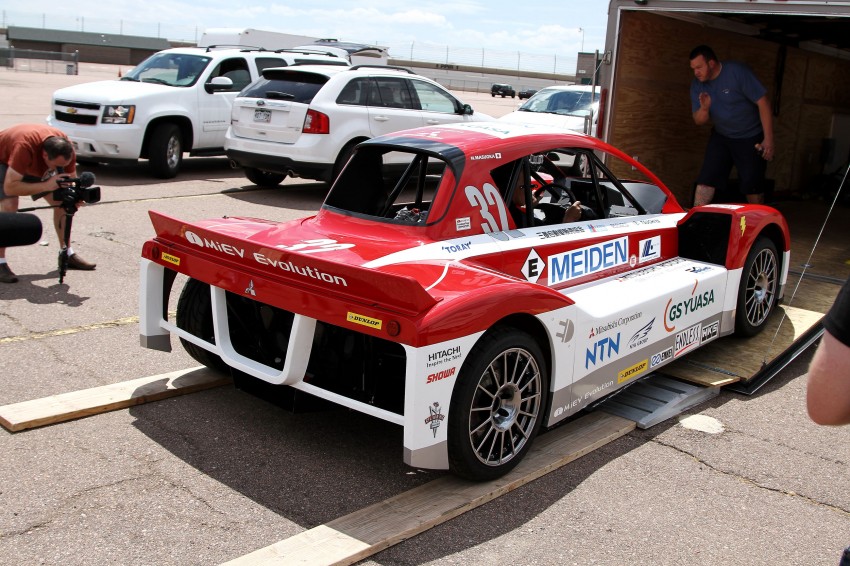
40	61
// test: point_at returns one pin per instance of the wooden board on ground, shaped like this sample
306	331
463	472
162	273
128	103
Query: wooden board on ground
731	359
78	404
365	532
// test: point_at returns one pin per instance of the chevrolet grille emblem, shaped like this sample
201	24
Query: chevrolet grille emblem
71	110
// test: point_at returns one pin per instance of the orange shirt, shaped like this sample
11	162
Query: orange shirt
21	149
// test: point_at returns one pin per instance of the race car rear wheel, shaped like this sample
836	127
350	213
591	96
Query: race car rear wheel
757	291
194	315
497	405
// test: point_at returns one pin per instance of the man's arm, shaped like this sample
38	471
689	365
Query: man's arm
766	117
701	116
828	390
15	185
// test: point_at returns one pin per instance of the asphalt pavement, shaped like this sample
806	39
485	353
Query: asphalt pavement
211	476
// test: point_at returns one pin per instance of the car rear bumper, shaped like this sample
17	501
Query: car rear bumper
281	164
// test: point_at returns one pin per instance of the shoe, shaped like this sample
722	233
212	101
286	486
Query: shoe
76	262
6	274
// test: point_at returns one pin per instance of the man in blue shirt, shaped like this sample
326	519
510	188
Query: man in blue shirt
730	97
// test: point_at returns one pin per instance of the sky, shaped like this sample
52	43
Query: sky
560	29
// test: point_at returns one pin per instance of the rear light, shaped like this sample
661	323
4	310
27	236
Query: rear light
316	123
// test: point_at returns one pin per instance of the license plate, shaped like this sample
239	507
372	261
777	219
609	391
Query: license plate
262	115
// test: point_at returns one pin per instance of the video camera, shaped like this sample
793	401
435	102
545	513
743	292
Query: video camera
73	190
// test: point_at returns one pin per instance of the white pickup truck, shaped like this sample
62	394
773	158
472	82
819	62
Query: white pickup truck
175	101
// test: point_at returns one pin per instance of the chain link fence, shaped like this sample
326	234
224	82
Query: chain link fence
39	61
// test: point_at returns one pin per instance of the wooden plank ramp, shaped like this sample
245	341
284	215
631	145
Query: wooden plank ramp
731	359
87	402
365	532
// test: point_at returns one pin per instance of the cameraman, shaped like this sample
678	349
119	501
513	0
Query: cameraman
37	152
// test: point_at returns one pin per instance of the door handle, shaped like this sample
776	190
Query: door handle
381	118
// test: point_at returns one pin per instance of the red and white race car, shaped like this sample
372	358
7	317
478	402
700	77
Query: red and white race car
440	287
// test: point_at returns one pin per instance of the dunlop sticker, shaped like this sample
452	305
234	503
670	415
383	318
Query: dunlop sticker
364	320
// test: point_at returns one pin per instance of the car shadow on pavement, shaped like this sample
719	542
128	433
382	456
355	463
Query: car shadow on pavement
25	289
298	196
139	174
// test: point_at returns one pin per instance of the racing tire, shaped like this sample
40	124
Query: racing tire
497	405
758	287
165	151
194	315
264	178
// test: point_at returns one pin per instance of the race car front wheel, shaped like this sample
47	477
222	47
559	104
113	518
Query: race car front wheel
194	315
497	405
757	291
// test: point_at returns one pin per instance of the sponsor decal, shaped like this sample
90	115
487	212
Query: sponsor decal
604	349
710	332
442	356
496	155
641	337
616	323
687	339
598	227
651	270
743	225
598	389
674	311
650	249
463	224
699	269
648	221
568	330
432	377
452	248
569	230
661	357
314	246
289	266
632	260
587	396
633	371
250	289
364	320
435	419
170	258
588	260
533	267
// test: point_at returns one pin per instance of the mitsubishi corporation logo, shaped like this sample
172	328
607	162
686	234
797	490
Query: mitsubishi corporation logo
250	289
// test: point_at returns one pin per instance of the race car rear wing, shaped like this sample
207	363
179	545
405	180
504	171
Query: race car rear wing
230	251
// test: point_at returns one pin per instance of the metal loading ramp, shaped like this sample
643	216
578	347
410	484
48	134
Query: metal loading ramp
656	399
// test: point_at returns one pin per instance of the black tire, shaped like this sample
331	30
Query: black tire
264	178
342	159
165	151
493	94
758	287
194	315
500	395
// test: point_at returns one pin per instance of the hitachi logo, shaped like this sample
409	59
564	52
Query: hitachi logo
444	354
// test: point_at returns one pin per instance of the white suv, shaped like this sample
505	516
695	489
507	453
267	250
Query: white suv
305	121
175	101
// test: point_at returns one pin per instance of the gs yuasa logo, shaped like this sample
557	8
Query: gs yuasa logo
675	311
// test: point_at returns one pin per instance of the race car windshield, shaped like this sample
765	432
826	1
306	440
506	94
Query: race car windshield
386	185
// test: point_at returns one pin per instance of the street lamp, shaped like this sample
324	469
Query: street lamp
582	39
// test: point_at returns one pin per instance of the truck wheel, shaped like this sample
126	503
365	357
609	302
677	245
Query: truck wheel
497	405
757	290
194	315
264	178
165	151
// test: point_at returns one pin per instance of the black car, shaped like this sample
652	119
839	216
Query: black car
503	90
527	93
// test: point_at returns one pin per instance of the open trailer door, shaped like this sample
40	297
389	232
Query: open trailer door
801	52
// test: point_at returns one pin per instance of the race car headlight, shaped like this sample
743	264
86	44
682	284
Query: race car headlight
119	114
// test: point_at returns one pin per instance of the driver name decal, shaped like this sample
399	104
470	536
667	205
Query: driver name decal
588	260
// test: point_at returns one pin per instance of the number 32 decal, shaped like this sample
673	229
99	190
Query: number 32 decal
489	203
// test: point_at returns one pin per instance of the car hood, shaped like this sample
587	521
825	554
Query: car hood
572	123
111	91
